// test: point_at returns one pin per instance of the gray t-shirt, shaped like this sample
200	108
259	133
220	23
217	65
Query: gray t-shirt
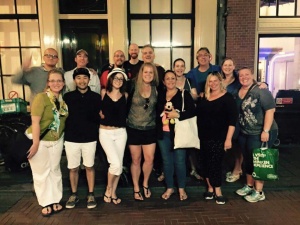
252	111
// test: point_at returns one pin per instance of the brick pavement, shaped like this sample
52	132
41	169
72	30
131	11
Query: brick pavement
18	205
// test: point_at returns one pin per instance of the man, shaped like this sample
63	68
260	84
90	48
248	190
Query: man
199	74
133	64
148	55
36	77
81	134
82	60
119	58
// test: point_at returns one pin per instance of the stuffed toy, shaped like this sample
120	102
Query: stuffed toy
168	108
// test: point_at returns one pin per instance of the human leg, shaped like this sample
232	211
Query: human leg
148	151
180	169
135	168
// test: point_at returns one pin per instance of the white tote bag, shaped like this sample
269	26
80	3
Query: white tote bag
186	132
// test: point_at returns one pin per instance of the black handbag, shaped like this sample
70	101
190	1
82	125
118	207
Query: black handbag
20	144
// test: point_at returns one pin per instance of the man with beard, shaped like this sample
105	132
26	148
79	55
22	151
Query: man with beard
119	58
81	134
82	60
133	64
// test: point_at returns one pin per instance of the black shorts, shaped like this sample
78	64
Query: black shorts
141	137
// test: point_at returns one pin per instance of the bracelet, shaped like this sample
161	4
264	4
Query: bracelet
266	131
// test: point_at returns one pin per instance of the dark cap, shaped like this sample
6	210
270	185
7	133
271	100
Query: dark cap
82	51
81	71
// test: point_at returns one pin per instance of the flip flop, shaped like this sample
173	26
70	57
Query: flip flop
167	194
147	192
116	200
140	199
107	199
49	211
56	208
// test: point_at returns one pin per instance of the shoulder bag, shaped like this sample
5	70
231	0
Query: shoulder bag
186	131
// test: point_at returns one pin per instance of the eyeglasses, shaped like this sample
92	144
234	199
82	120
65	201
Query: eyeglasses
55	81
49	56
118	79
146	106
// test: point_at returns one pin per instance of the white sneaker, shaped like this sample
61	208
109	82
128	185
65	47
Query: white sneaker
255	197
246	190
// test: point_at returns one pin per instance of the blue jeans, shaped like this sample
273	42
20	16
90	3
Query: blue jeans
250	142
173	161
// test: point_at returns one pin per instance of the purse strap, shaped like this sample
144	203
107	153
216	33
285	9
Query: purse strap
44	133
182	94
264	145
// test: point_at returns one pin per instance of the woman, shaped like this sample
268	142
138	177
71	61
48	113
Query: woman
217	115
257	124
48	111
183	83
232	85
112	134
141	127
173	159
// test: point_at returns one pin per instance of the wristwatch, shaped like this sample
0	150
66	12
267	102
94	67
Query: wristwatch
266	131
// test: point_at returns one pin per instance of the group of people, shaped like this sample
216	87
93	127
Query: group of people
126	106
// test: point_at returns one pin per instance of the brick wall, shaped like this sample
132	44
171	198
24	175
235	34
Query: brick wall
240	40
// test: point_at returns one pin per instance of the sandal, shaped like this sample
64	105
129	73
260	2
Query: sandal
167	194
116	200
140	196
107	199
48	212
56	208
147	192
161	177
183	197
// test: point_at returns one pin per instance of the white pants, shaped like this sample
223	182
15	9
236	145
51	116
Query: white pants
47	178
113	143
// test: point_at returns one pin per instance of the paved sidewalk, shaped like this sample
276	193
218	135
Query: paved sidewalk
18	204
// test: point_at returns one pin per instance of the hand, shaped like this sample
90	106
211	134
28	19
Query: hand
227	145
262	85
26	63
172	114
264	137
101	115
32	151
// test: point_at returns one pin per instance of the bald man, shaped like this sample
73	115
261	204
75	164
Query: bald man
36	77
133	64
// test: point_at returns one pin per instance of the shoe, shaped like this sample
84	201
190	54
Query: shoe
183	197
147	192
255	197
220	200
246	190
106	199
91	202
2	163
46	211
140	196
56	208
161	177
232	178
116	200
196	175
208	195
71	203
167	194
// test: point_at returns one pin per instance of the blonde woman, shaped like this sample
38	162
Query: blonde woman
48	111
141	127
217	116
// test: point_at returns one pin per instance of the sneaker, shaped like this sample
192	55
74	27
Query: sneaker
208	195
255	197
71	203
220	200
91	202
246	190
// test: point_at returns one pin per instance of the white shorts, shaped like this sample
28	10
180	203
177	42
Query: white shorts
75	150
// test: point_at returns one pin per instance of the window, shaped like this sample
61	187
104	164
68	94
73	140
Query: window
167	25
19	39
279	60
82	6
279	8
